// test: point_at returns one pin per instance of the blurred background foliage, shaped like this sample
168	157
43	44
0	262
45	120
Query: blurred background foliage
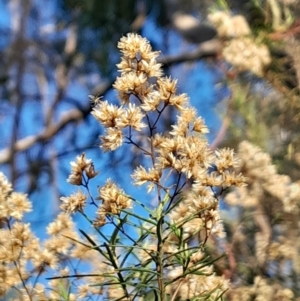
55	53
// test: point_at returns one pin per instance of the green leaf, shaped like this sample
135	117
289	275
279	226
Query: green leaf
95	246
150	221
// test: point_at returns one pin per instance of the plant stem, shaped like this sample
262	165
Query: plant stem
159	262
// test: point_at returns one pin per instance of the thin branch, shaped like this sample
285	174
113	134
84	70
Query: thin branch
49	132
221	134
206	49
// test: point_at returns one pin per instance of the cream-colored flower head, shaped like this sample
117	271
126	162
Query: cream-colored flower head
12	204
75	202
107	114
112	140
142	176
79	167
245	54
229	26
134	45
5	186
17	204
62	223
131	82
132	117
113	200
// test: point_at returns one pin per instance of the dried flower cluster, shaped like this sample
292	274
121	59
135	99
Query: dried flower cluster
12	204
263	180
24	259
206	283
245	54
183	174
113	199
272	201
183	151
241	50
81	167
181	154
229	26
